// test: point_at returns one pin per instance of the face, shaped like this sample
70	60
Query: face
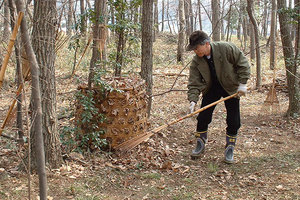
203	50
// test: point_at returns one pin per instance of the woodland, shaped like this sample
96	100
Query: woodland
93	100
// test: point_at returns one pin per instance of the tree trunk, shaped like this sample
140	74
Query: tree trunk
155	20
37	106
216	25
99	36
200	18
180	46
191	16
147	44
240	21
168	16
273	36
5	35
265	19
43	40
70	17
162	15
82	18
186	11
257	46
252	42
291	67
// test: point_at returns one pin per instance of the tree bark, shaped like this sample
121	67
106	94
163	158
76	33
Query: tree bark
257	45
200	18
162	15
37	106
83	18
147	45
43	41
180	46
216	25
290	64
70	17
6	18
99	38
273	36
155	20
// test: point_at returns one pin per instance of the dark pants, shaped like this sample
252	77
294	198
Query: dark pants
232	107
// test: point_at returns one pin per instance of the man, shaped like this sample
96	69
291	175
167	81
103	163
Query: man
218	69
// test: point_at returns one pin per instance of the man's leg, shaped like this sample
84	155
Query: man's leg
204	118
233	125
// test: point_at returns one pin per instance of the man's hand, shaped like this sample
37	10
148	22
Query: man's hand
192	106
242	89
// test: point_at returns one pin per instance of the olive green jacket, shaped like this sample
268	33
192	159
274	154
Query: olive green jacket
232	68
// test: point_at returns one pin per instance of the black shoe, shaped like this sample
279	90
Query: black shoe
199	150
229	158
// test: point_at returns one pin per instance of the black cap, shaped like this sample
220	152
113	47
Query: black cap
197	37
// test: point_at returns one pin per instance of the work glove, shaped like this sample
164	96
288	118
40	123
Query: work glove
192	106
242	89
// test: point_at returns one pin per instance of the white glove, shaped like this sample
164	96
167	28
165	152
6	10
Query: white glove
192	106
242	89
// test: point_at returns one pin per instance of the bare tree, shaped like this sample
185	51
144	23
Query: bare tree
37	106
162	15
155	20
83	18
6	18
290	61
273	35
43	41
216	25
257	46
180	46
98	38
70	17
147	45
199	13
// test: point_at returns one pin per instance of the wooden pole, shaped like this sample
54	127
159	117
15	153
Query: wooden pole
11	108
10	46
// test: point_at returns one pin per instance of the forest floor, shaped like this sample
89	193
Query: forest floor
267	153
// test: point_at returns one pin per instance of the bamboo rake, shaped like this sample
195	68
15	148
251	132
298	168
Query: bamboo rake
10	46
130	144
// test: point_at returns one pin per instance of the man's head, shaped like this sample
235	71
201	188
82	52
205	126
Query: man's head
199	43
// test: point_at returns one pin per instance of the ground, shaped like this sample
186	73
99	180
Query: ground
267	152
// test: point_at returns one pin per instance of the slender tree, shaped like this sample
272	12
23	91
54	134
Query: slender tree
83	18
180	46
36	105
98	38
6	18
216	25
199	13
70	17
289	58
273	35
162	15
147	45
257	45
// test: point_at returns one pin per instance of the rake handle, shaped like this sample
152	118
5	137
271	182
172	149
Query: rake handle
136	141
194	113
